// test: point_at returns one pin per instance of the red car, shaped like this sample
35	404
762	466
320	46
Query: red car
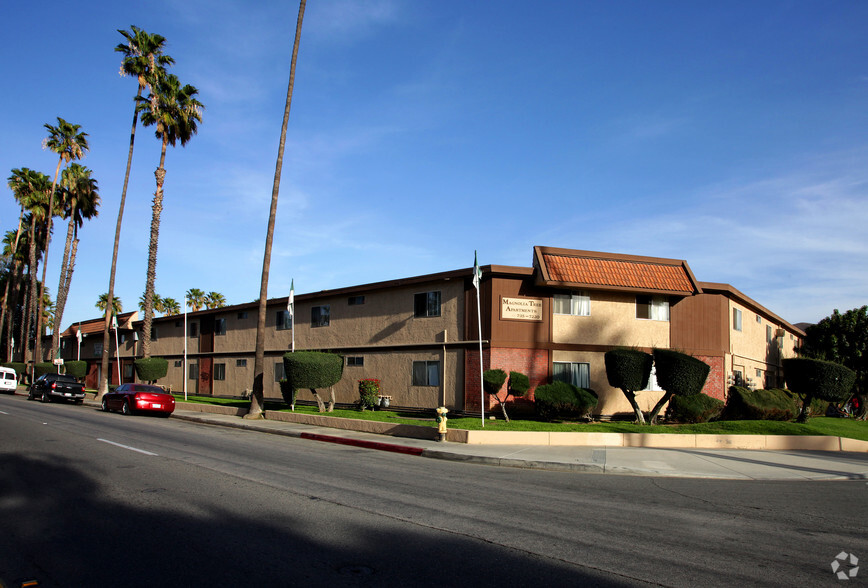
133	398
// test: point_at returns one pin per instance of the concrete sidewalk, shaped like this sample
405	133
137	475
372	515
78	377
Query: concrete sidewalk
733	464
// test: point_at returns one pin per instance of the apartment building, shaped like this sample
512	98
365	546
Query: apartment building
420	336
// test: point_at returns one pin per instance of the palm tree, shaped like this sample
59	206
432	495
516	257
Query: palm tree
102	304
15	245
257	398
215	300
143	56
195	299
171	307
79	201
175	112
158	303
70	144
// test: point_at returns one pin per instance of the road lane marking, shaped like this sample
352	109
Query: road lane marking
1	412
126	447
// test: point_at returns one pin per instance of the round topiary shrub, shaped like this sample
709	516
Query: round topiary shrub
151	369
76	369
696	408
563	400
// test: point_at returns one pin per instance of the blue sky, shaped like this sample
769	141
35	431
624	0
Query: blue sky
732	135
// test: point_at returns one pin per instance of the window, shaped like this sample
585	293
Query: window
194	329
240	363
356	361
355	300
279	372
122	338
654	308
128	371
219	371
770	335
736	319
178	362
737	378
427	304
577	374
97	348
193	371
220	326
574	303
153	333
319	316
759	374
759	319
242	315
426	373
284	320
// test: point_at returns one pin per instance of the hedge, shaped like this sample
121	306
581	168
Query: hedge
44	367
312	369
18	366
679	373
76	369
151	369
562	399
697	408
628	369
744	404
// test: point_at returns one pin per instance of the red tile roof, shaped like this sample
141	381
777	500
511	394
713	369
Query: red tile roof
620	272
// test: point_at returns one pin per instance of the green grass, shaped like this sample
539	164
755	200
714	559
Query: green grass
815	426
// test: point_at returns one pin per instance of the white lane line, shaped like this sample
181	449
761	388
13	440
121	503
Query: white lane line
126	447
1	412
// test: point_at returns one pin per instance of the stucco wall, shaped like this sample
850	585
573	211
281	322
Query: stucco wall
612	322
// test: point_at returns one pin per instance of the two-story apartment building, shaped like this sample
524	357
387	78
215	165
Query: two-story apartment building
420	337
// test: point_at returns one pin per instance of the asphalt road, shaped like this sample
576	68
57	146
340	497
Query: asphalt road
94	499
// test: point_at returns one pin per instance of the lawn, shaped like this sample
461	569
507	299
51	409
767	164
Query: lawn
816	426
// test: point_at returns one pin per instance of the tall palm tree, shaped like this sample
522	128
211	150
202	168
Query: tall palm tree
215	300
257	398
158	303
15	246
171	307
79	200
20	185
70	144
143	56
102	303
195	299
176	113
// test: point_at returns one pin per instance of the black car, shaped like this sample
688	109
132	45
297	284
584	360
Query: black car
50	386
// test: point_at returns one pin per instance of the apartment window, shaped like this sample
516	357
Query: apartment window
654	308
194	329
356	361
97	348
153	333
279	372
122	338
426	373
178	363
759	319
219	371
284	320
736	319
355	300
738	378
220	326
574	303
577	374
427	304
242	315
759	374
770	335
319	316
193	371
240	363
128	371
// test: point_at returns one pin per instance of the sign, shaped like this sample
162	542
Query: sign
522	309
58	361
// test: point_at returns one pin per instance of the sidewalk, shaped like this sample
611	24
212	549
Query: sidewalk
730	464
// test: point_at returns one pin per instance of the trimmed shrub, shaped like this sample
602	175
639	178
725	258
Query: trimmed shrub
369	393
519	384
44	367
76	369
18	366
313	369
151	369
628	369
287	392
679	373
696	408
492	380
744	404
562	400
818	379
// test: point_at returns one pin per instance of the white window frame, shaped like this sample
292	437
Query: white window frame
657	307
578	373
737	324
431	371
573	304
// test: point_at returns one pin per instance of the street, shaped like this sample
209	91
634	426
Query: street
95	499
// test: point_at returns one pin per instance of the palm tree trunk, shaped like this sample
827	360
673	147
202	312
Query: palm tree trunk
156	211
62	293
106	337
31	301
257	397
15	279
4	312
38	348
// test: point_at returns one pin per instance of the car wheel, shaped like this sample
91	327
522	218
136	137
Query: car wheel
105	407
126	408
46	397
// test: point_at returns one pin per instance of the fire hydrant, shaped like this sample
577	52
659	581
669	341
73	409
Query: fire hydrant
441	421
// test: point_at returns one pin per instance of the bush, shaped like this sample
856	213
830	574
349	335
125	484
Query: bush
679	373
492	381
18	366
817	379
151	369
369	393
628	369
313	369
743	404
287	392
697	408
561	400
76	369
44	367
519	384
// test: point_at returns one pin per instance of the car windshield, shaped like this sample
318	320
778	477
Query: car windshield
149	389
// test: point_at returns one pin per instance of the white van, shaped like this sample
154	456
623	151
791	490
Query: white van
8	380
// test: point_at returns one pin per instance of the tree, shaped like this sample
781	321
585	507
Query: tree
816	378
157	301
843	338
171	307
143	55
677	373
195	299
102	304
70	144
15	245
215	300
257	397
629	370
176	113
492	383
79	200
312	370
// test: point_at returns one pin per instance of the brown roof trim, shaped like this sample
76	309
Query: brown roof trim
732	292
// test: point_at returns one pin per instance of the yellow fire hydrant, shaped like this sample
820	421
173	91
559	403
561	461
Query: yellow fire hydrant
441	421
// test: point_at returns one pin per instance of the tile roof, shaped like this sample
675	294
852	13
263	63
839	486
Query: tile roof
618	273
93	326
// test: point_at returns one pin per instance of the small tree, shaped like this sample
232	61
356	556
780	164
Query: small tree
369	393
629	371
677	373
492	382
151	369
312	370
815	378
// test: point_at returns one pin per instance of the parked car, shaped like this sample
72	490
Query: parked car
50	386
8	380
133	398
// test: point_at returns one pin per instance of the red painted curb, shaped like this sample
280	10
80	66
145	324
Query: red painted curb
361	443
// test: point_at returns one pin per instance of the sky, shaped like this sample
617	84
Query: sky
728	134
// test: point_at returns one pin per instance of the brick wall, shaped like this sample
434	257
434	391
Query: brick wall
534	363
715	385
